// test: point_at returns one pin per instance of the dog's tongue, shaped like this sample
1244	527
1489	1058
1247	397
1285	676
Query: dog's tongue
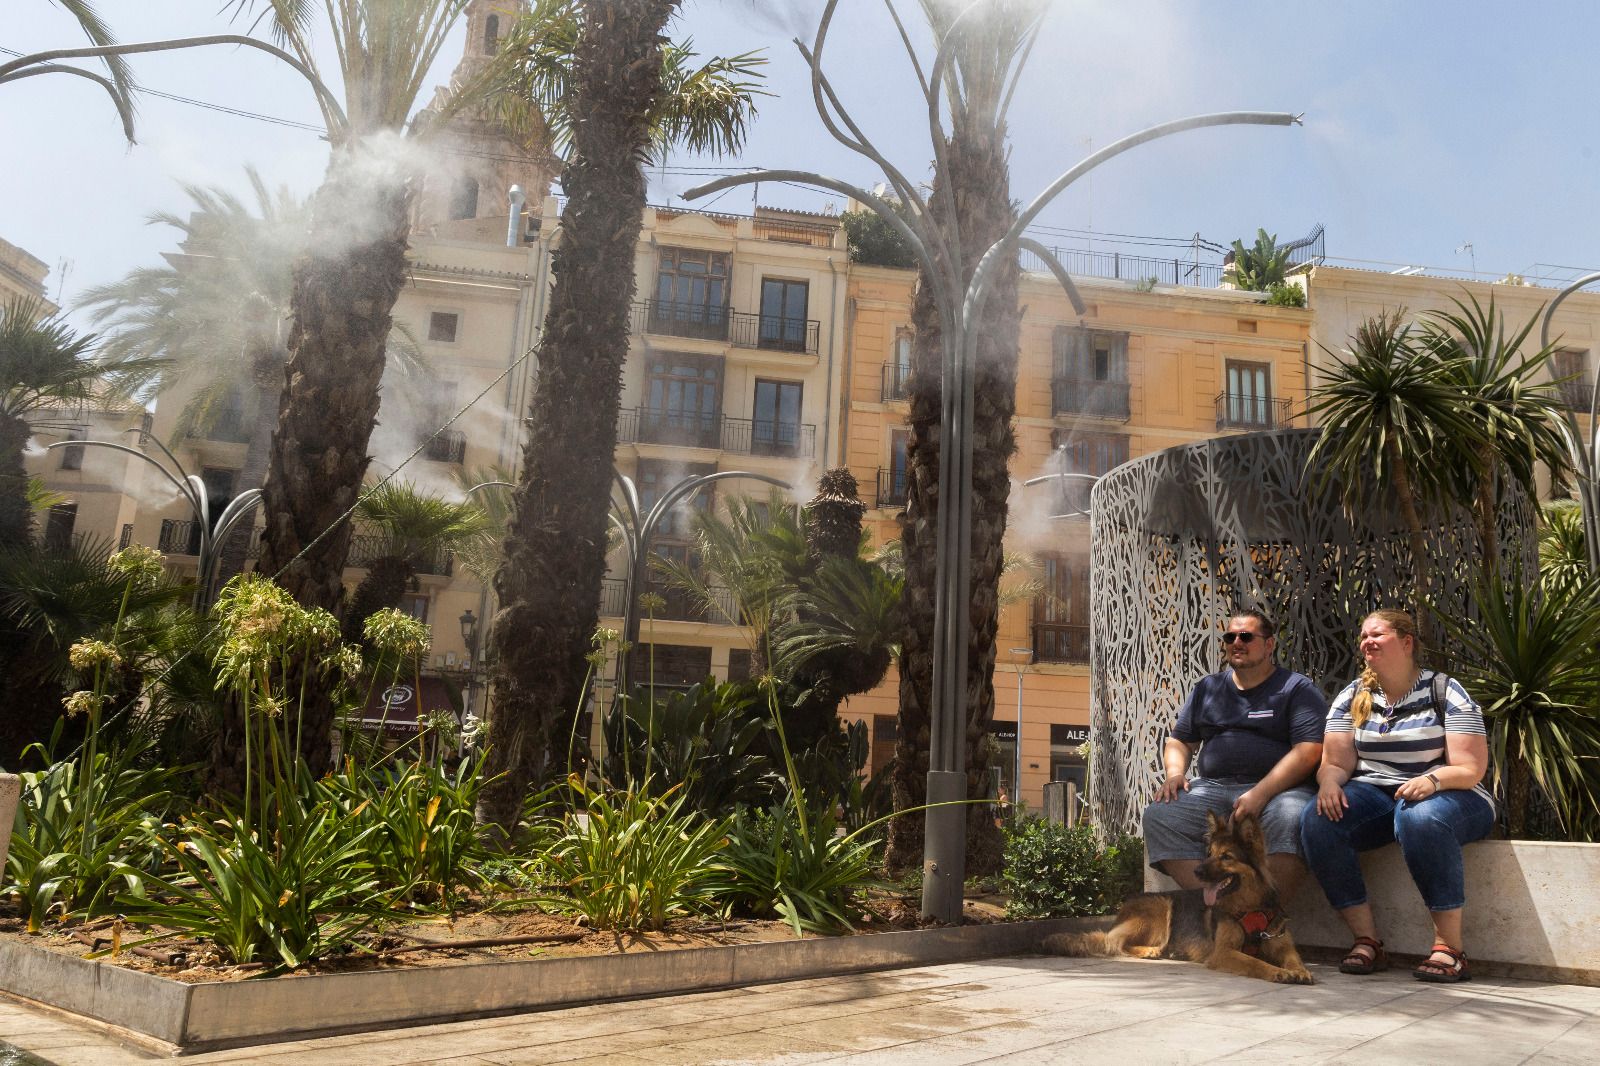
1211	894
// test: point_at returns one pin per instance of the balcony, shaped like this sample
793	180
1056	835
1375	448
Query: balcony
228	428
366	548
449	446
1235	411
744	436
896	382
679	606
718	323
1089	397
892	487
1060	642
179	537
669	319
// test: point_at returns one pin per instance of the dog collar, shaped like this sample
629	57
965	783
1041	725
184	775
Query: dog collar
1257	927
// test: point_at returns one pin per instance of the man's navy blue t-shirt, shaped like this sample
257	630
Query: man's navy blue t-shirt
1244	733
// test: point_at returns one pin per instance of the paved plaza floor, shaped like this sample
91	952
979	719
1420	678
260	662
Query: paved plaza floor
1016	1010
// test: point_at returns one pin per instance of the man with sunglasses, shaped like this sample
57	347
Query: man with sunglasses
1258	728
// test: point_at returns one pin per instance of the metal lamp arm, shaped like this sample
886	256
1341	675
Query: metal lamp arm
183	489
117	100
695	484
905	39
1060	272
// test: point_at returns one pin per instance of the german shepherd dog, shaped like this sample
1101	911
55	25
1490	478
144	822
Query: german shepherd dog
1234	924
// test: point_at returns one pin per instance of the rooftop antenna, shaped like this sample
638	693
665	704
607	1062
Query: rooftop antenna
1466	246
63	268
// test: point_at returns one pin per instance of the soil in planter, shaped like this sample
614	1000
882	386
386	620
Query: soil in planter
469	937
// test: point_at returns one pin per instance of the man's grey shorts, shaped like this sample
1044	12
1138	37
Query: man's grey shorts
1177	830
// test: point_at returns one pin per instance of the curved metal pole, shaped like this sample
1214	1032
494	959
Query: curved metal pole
1054	266
1585	456
329	102
118	101
1093	479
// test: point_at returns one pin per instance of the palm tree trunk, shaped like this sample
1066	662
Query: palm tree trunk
267	376
549	585
1406	498
388	578
16	518
344	293
980	179
1519	792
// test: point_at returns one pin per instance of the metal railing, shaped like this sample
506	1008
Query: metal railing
449	446
229	428
892	487
179	537
127	536
761	436
896	381
672	319
1080	263
784	231
693	429
678	605
1576	392
719	323
1235	411
1060	642
1087	396
366	548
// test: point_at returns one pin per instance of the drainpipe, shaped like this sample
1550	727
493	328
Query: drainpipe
827	406
852	308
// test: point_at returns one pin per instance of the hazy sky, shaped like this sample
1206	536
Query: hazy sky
1429	125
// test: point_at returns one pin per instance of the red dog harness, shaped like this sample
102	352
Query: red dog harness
1256	926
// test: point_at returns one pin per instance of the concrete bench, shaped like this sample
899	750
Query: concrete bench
1532	907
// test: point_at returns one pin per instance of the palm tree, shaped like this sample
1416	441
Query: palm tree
1521	419
43	363
217	314
971	197
621	106
409	529
1386	408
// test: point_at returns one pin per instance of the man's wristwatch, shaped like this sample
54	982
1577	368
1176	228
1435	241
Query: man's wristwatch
1431	776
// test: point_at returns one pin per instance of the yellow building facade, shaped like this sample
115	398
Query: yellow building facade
1143	369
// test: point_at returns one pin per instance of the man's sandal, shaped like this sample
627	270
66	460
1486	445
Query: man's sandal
1359	962
1443	972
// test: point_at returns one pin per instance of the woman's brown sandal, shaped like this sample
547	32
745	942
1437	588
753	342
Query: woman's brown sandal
1359	962
1443	972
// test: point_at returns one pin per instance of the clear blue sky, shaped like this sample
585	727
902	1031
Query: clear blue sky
1429	125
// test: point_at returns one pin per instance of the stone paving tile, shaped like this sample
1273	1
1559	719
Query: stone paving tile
1170	1045
879	1029
1575	1047
766	1048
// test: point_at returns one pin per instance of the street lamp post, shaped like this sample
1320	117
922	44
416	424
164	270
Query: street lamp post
960	304
192	489
1022	668
469	637
1584	453
638	527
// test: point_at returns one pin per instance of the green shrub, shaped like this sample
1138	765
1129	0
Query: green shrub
1286	295
800	869
1052	871
633	860
871	240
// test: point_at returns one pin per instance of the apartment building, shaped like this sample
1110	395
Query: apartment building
22	275
1146	367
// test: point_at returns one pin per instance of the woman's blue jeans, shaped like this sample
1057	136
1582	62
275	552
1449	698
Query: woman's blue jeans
1430	833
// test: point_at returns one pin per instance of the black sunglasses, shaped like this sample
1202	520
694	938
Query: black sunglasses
1243	638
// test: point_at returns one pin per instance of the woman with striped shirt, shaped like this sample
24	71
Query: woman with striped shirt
1395	769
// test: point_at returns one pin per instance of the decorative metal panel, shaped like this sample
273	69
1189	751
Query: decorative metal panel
1183	537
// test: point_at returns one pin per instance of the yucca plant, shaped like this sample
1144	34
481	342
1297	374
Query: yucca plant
634	861
1530	662
782	864
1563	555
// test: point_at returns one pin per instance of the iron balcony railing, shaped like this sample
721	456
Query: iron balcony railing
892	487
719	323
1088	396
449	446
1235	411
366	548
179	537
229	428
1128	267
1060	642
692	429
1576	392
896	381
677	605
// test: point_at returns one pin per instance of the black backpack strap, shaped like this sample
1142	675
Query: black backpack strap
1439	687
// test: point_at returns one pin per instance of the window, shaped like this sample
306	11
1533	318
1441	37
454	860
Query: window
1247	399
491	34
885	734
58	526
776	428
1092	454
739	664
892	480
72	456
442	326
1061	611
1569	368
692	277
674	665
783	314
415	604
464	199
1090	373
657	477
897	372
683	397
